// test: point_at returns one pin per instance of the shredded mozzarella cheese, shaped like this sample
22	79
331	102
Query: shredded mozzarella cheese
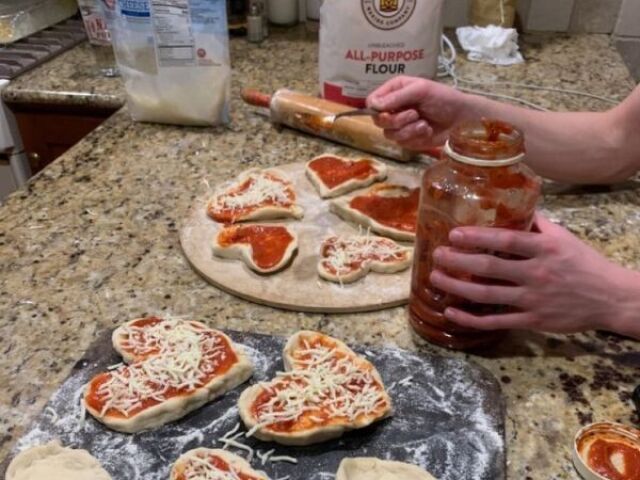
182	356
263	187
323	384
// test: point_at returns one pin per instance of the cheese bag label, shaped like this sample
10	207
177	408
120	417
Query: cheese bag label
363	43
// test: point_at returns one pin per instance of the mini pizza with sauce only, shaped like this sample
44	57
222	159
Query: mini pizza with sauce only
388	210
213	464
265	248
325	390
333	176
174	367
255	195
349	258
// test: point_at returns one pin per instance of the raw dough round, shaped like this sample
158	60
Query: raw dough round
55	462
374	469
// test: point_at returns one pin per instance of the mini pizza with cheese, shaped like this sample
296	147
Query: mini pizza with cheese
265	248
174	367
349	258
255	195
325	390
388	210
333	176
213	464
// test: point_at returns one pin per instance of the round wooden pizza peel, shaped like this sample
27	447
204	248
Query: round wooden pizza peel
298	287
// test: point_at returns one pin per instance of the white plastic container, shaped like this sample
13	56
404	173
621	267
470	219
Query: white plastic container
283	12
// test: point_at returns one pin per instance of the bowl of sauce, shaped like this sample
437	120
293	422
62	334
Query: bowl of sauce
607	451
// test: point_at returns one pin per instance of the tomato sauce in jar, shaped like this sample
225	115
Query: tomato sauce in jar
480	181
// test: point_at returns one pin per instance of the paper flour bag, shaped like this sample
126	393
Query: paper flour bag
363	43
174	58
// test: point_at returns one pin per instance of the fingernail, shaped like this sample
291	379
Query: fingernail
449	313
422	127
455	235
438	253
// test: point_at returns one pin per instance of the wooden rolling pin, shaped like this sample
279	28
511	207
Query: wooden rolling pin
309	114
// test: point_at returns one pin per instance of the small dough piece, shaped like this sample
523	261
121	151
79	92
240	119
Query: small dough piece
255	195
299	407
52	461
347	259
374	469
176	367
217	464
388	210
265	248
333	176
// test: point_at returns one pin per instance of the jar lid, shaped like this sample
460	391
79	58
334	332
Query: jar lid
607	431
502	162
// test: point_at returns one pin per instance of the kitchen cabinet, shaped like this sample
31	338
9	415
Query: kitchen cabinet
48	130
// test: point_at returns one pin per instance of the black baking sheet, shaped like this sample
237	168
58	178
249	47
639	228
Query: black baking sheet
448	418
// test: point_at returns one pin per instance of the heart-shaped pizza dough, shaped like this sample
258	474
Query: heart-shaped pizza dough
265	248
333	176
175	367
213	464
255	195
325	390
348	258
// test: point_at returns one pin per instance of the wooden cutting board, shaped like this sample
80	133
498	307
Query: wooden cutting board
298	287
448	418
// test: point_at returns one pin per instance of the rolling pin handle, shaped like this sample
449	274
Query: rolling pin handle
256	98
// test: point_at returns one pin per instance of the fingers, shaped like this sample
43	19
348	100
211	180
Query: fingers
482	265
476	292
416	130
399	96
521	320
395	121
376	99
524	244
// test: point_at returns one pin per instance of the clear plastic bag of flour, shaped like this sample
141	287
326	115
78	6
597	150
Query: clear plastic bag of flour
363	43
174	58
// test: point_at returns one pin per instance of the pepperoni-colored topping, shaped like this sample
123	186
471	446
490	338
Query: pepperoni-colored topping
398	212
268	243
334	171
602	459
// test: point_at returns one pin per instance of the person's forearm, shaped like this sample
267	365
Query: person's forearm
625	293
573	147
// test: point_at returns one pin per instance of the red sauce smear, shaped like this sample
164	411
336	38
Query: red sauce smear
310	419
232	215
599	460
220	366
221	465
268	243
398	212
334	171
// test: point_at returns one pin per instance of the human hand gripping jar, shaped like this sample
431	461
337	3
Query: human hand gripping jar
480	181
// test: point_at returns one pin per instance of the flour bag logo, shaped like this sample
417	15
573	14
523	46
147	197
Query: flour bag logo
364	43
388	14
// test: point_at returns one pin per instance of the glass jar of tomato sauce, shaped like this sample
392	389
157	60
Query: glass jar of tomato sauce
479	181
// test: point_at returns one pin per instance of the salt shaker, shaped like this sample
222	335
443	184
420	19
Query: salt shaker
255	23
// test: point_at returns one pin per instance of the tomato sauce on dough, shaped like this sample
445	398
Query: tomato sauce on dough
398	212
268	242
334	171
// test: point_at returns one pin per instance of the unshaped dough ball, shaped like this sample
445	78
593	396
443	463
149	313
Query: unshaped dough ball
55	462
374	469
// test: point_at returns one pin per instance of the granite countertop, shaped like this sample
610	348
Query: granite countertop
93	241
72	78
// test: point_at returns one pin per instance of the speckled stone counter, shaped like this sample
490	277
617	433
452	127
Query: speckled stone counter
72	78
93	241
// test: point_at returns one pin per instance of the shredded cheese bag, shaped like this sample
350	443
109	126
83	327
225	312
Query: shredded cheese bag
363	43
